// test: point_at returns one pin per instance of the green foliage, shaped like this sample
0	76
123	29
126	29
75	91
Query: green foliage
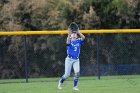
58	14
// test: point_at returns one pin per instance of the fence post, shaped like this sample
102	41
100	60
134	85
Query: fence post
25	59
98	61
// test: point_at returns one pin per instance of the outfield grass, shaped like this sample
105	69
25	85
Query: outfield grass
116	84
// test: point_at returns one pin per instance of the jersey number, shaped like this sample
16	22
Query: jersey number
75	48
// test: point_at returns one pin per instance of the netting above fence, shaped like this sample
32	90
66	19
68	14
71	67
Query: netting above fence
118	54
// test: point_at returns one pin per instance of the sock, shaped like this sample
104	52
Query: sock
75	82
62	80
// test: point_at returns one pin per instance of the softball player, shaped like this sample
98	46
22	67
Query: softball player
72	59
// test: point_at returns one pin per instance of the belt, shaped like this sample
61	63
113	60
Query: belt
73	57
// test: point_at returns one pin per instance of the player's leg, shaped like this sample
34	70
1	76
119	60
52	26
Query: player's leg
76	67
68	66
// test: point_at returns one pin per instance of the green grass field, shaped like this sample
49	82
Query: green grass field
115	84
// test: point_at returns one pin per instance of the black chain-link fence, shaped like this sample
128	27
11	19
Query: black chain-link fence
43	56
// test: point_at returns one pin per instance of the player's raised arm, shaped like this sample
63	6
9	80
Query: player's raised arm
81	35
68	38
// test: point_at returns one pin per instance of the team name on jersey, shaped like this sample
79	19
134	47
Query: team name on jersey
75	44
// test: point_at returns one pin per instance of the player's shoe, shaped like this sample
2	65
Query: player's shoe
59	85
75	88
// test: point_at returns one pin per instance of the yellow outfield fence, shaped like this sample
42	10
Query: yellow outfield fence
2	33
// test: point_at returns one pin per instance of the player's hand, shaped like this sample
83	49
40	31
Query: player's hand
78	30
69	31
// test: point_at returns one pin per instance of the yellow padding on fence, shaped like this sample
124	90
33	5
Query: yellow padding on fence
66	32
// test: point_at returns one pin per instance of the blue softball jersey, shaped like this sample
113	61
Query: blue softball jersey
73	48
